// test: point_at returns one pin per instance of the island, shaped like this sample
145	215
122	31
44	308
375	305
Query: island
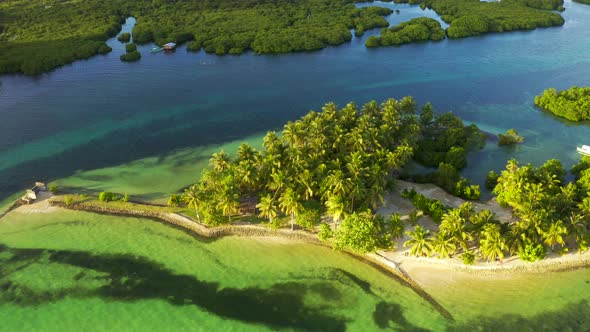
418	29
572	104
36	37
510	137
334	176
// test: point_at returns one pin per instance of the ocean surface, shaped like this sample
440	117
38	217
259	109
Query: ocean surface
147	128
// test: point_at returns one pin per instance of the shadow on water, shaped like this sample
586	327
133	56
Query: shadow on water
130	278
124	146
573	317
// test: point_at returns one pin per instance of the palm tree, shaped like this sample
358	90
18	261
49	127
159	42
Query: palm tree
246	152
554	235
337	184
306	181
420	243
220	161
491	243
396	226
335	207
228	202
268	208
278	181
444	245
192	198
290	205
453	224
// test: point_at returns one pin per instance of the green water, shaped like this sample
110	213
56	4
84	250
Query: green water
71	271
153	178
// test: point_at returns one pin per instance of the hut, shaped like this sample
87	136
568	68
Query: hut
32	194
169	46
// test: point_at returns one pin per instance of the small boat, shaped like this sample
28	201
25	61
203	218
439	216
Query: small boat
156	49
584	150
169	46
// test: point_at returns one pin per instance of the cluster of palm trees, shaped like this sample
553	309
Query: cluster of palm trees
550	215
461	230
340	159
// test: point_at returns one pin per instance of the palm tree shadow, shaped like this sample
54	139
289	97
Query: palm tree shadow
130	278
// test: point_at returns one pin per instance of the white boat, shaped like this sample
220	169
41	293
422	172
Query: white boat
584	150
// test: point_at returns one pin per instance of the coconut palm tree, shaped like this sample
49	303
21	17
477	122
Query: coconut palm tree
307	182
335	207
444	245
554	235
268	208
193	199
228	202
278	181
220	161
491	243
420	243
290	204
396	226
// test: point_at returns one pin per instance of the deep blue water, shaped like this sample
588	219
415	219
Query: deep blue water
103	112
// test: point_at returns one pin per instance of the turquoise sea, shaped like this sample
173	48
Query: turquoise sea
147	128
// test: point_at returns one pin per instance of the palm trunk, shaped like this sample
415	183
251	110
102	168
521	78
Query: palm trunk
198	216
292	221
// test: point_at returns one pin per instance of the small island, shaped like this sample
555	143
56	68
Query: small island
572	104
330	174
418	29
132	54
510	137
125	37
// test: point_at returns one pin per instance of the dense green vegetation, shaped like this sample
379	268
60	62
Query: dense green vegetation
551	214
587	2
39	35
338	162
130	48
131	56
474	17
418	29
572	104
511	137
125	37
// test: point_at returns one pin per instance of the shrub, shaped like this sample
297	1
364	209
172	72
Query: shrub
492	180
131	57
325	232
125	37
468	258
125	198
68	200
511	137
175	200
532	252
107	196
53	188
130	48
310	216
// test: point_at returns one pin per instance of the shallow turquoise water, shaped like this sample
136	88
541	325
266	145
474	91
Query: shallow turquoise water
102	112
106	125
72	271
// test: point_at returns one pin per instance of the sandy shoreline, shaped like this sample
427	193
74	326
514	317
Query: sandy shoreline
396	260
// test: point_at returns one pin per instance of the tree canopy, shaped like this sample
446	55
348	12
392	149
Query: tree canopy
572	104
38	35
418	29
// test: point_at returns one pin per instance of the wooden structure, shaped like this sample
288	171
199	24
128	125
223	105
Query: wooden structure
169	46
31	194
